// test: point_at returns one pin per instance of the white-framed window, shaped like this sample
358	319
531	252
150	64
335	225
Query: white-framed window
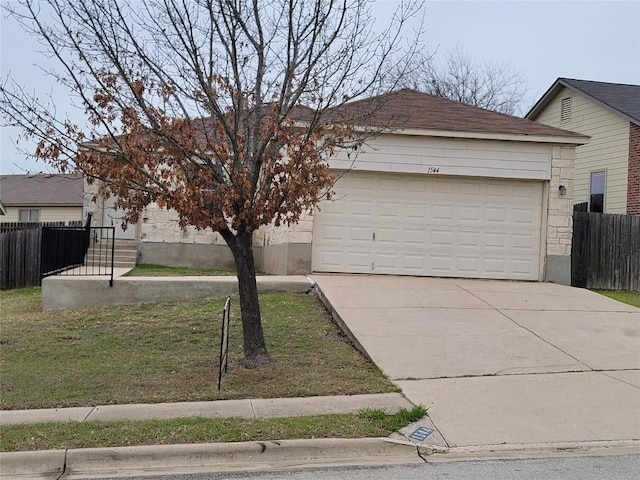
597	187
565	110
29	215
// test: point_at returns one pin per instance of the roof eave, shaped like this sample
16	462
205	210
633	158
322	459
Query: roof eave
424	132
513	137
43	204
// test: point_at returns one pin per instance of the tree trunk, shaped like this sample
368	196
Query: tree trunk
255	348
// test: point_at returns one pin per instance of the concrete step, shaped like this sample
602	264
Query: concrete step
125	255
103	265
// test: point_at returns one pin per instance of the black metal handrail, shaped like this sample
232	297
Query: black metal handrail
78	251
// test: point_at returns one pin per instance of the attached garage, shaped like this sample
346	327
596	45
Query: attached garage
442	189
430	225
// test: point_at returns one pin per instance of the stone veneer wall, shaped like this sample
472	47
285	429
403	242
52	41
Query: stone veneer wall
163	241
560	216
277	250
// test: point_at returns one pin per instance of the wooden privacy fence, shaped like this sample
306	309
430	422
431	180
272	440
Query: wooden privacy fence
605	252
21	247
20	257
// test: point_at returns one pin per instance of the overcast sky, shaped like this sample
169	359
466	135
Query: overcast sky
542	40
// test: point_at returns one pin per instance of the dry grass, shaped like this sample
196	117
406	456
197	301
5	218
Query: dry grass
169	352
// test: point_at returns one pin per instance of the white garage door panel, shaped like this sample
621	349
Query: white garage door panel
429	225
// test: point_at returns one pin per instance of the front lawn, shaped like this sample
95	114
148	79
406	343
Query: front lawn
169	352
631	298
152	270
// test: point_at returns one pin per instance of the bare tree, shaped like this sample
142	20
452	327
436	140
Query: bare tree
489	84
218	109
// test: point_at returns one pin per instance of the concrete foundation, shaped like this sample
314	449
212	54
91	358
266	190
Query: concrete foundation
287	259
192	255
558	269
68	292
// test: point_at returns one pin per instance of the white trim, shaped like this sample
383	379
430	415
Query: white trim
511	137
497	136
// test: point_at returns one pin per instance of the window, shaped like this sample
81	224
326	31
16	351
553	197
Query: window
596	192
565	110
29	215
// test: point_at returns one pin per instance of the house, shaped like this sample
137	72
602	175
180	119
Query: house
445	189
607	169
42	198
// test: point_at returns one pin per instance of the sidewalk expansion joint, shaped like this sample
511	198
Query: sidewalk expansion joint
483	375
93	409
253	410
64	465
604	372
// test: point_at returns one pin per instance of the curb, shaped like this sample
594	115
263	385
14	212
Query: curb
530	450
192	458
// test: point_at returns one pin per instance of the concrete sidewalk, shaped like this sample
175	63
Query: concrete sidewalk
248	408
499	362
192	458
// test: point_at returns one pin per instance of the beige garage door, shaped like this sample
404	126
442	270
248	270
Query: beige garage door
431	226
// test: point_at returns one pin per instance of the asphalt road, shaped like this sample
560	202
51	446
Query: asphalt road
578	468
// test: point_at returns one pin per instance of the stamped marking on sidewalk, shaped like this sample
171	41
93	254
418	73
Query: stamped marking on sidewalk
421	434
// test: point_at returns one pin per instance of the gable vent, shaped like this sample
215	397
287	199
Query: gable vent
565	111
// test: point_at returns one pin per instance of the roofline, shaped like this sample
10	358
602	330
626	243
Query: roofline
39	204
552	91
3	210
513	137
578	139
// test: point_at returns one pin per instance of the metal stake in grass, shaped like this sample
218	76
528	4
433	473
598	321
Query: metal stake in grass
224	341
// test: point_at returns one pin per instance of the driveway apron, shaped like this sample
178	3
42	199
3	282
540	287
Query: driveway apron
496	361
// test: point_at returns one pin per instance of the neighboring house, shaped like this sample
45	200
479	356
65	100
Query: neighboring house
452	191
607	169
42	198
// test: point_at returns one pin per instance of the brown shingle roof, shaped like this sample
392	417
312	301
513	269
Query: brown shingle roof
413	109
41	190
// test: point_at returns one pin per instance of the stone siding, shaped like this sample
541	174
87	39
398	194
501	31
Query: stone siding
163	226
301	232
560	207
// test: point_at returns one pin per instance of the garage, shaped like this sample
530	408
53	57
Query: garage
438	188
430	225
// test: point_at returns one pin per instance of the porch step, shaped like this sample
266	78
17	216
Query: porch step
125	254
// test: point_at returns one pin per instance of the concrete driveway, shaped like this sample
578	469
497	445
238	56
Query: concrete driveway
500	362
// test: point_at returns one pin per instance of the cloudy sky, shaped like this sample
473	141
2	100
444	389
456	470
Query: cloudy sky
542	40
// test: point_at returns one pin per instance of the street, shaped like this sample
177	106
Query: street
576	468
